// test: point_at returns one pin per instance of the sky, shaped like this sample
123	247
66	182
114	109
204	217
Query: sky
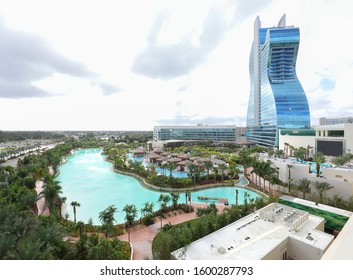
132	65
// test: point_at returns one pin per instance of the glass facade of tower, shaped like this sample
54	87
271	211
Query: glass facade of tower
277	99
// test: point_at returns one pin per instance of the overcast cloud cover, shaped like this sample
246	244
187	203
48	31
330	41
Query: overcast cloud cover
122	65
25	58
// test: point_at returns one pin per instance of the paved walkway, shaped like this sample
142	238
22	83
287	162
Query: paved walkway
141	237
42	208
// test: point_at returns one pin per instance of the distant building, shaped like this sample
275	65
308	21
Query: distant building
198	133
333	121
277	99
331	140
241	131
334	140
275	232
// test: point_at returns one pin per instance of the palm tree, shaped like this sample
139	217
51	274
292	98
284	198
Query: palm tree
321	188
162	201
215	173
29	200
147	209
266	171
208	165
236	197
300	153
192	170
245	159
164	167
51	192
255	169
222	167
319	158
170	167
75	204
175	198
107	219
289	166
304	186
131	213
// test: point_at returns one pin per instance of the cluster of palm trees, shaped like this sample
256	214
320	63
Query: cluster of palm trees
320	186
264	170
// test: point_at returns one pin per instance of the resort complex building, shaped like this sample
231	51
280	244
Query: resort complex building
277	99
331	121
275	232
199	132
331	140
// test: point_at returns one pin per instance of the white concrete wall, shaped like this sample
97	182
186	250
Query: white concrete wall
300	171
299	250
296	141
340	174
348	136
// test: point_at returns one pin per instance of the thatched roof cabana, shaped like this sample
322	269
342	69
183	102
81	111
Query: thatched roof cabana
158	151
184	162
165	154
139	152
153	157
194	158
174	154
161	159
204	160
174	160
184	156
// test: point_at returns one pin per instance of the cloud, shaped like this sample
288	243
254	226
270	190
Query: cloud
182	89
180	119
27	58
174	60
108	89
247	8
327	84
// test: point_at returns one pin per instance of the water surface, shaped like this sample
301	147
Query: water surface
89	179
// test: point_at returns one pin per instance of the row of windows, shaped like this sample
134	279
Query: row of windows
195	134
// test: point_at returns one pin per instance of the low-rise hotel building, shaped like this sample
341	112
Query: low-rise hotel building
199	133
275	232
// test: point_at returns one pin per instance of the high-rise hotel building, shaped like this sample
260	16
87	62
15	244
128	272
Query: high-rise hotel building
277	99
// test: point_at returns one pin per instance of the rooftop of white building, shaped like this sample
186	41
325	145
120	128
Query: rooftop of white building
320	206
256	235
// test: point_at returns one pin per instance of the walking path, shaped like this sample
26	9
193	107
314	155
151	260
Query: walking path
42	207
141	237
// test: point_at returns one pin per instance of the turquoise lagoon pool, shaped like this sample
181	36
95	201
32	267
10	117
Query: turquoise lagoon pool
89	179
